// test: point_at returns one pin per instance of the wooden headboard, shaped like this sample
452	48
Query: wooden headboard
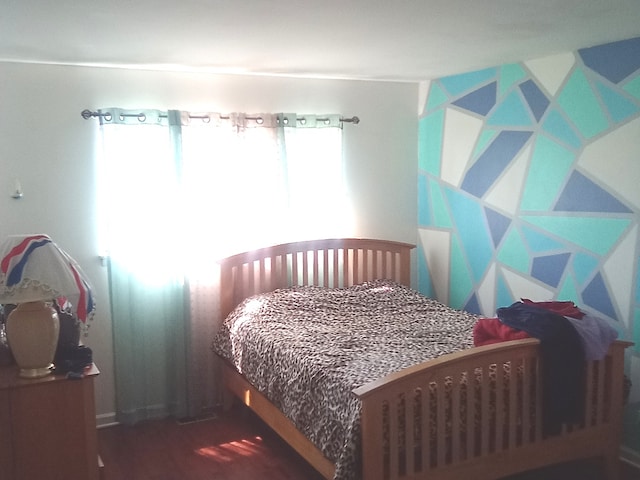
339	262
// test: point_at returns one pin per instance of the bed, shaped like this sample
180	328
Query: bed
471	412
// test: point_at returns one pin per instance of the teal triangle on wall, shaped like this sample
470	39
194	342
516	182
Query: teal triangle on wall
436	97
461	283
425	286
582	105
636	347
633	87
546	178
457	84
469	221
511	112
509	74
619	107
441	216
513	252
568	291
638	282
584	266
596	234
504	297
540	242
430	138
556	126
424	207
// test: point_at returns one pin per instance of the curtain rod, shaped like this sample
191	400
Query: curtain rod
87	114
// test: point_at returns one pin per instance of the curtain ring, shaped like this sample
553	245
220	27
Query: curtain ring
259	120
142	117
108	117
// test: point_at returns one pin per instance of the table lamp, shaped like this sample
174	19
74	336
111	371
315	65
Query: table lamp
34	272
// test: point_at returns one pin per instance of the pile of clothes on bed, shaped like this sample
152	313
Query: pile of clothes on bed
568	336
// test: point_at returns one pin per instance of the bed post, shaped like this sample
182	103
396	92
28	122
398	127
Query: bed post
612	453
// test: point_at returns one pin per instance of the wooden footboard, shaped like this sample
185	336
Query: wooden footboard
478	414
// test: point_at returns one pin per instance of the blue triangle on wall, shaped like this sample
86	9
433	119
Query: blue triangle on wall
480	101
596	295
549	268
538	101
582	195
614	61
498	224
493	161
472	305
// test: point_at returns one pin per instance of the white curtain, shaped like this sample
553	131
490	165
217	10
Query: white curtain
180	190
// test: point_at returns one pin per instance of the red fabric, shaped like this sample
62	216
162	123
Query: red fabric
566	309
491	330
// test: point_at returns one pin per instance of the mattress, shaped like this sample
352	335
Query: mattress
307	348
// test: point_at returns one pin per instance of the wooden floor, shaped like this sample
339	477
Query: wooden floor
238	446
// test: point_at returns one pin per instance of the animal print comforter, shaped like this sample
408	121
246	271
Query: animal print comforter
308	348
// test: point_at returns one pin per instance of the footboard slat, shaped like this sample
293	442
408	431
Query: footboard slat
600	399
441	416
425	437
411	430
484	413
394	448
469	433
371	411
456	426
526	403
514	384
501	408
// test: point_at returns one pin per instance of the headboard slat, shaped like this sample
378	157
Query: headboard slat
340	262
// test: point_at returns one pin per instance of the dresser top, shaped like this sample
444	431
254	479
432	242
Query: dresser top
9	377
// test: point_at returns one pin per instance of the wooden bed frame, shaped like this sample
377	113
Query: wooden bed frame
483	443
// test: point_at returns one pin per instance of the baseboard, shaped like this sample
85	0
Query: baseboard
106	420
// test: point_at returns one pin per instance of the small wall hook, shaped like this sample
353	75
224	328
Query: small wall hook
17	192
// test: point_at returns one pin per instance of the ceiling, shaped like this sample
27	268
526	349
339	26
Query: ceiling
390	40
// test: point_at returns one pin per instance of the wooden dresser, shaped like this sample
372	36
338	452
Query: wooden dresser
48	427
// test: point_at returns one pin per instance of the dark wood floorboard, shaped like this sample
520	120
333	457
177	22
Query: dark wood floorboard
238	446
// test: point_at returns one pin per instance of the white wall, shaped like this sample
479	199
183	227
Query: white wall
50	149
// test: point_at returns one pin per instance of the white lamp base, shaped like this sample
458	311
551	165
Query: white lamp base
32	333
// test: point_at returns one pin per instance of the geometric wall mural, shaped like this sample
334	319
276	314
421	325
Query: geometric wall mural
529	186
